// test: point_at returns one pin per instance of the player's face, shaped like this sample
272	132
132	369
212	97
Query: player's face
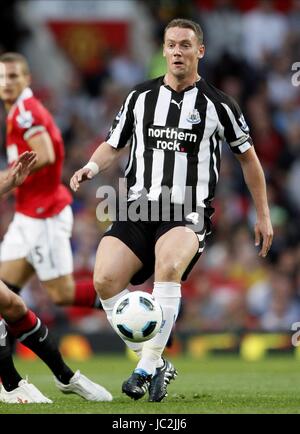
13	81
182	51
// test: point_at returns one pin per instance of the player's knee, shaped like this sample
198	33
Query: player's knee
168	271
14	308
105	285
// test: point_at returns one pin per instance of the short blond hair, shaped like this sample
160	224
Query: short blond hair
186	24
16	58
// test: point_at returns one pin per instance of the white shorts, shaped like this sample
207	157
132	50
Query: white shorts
44	243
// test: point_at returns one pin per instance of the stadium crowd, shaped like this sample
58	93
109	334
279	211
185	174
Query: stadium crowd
250	53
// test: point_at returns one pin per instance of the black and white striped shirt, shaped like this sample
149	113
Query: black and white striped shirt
176	139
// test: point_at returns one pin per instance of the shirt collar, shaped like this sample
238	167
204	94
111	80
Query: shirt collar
195	84
25	94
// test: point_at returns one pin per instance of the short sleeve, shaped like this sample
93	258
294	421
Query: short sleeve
122	127
30	119
234	127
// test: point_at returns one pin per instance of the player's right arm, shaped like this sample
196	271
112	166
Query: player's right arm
101	159
118	136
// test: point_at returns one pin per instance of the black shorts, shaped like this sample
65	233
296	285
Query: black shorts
141	238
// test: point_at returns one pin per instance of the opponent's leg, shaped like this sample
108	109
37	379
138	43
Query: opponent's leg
14	389
35	335
16	273
65	291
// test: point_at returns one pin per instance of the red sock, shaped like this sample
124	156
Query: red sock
23	325
85	294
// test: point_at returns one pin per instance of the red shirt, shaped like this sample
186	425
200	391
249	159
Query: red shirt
42	194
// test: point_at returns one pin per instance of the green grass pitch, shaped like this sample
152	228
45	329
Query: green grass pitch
215	385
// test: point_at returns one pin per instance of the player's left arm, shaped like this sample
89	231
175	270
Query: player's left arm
256	183
42	145
236	132
32	120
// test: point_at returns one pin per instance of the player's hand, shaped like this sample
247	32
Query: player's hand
81	175
21	168
263	233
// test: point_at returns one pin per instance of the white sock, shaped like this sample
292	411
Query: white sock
108	306
168	294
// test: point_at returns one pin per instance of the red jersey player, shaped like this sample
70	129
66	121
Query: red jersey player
24	325
38	239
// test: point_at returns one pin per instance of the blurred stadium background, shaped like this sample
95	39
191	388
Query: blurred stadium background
85	56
